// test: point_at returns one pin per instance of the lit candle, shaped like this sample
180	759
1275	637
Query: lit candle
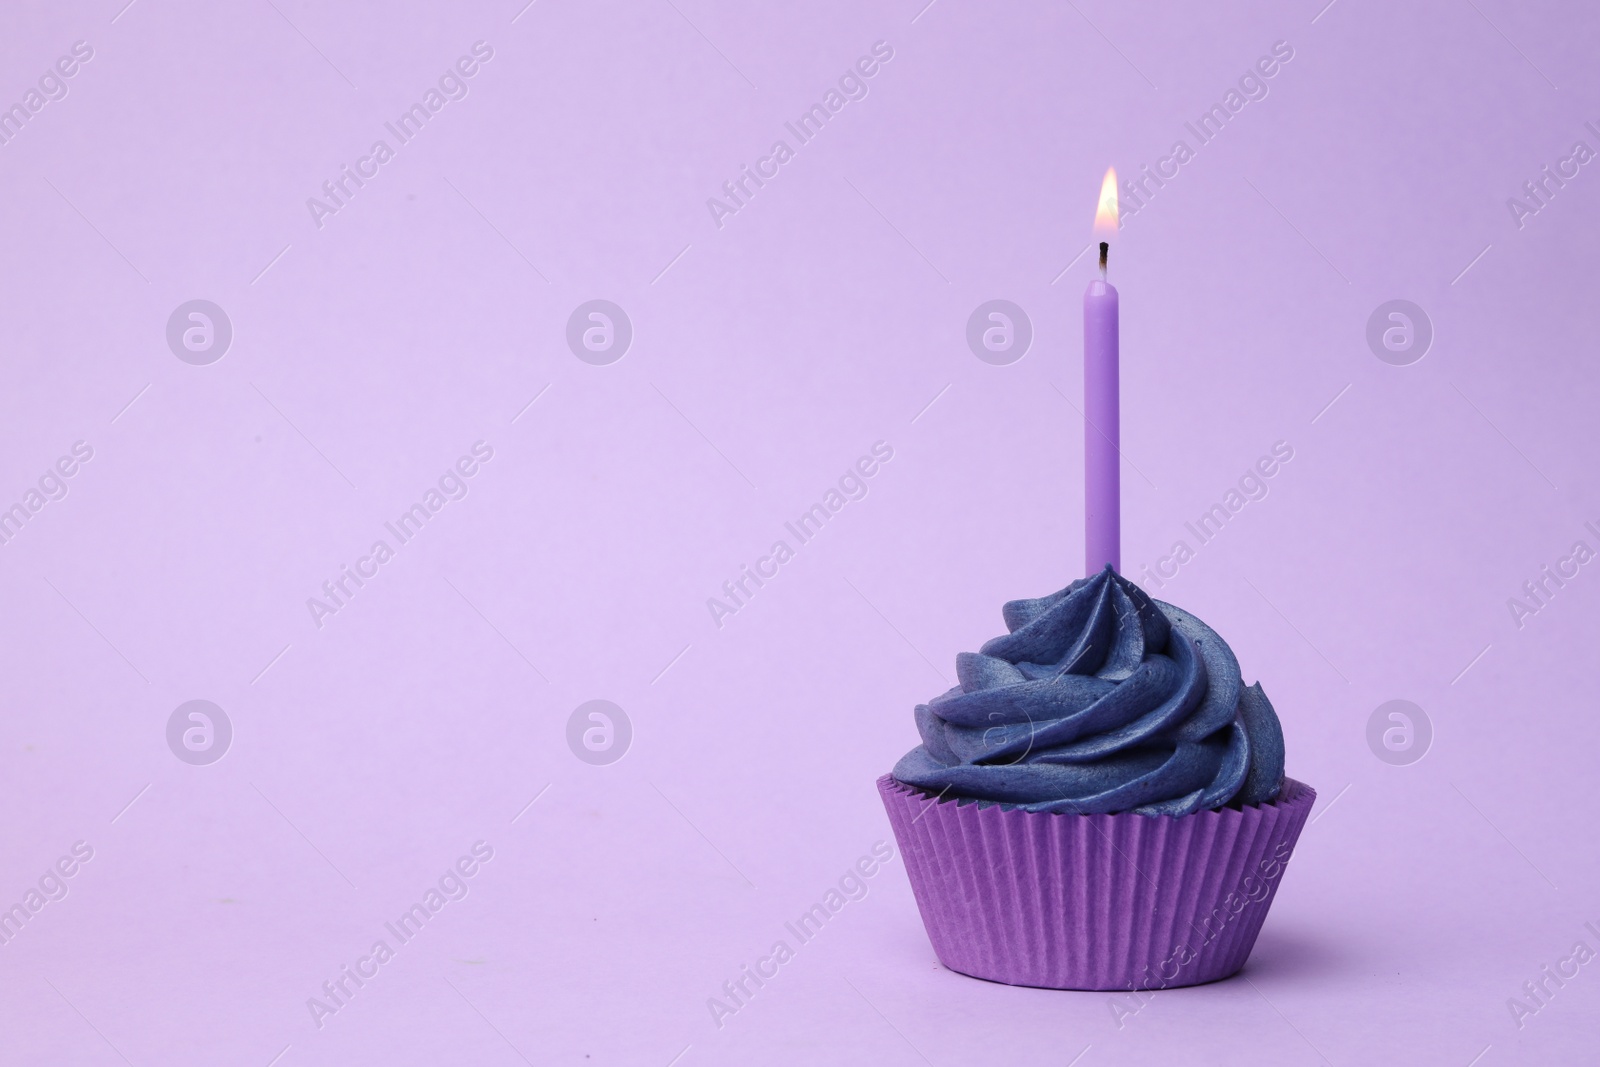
1102	478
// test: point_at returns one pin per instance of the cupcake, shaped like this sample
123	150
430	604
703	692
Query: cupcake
1100	803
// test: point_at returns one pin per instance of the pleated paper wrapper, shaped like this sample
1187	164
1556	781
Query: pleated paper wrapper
1116	902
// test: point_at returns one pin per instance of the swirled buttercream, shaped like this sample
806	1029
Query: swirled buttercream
1100	700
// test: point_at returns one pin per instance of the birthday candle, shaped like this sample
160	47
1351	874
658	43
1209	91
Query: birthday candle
1102	483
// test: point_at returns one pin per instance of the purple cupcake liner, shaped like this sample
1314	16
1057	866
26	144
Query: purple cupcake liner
1113	902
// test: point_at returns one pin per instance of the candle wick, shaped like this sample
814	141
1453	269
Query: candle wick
1105	247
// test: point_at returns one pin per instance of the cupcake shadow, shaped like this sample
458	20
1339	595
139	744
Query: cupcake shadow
1291	952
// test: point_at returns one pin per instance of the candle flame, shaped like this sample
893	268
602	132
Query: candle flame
1105	216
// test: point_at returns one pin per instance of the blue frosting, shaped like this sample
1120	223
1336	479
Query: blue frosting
1100	700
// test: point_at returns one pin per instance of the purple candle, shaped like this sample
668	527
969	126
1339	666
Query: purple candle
1102	479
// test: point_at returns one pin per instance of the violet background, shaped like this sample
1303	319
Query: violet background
768	357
